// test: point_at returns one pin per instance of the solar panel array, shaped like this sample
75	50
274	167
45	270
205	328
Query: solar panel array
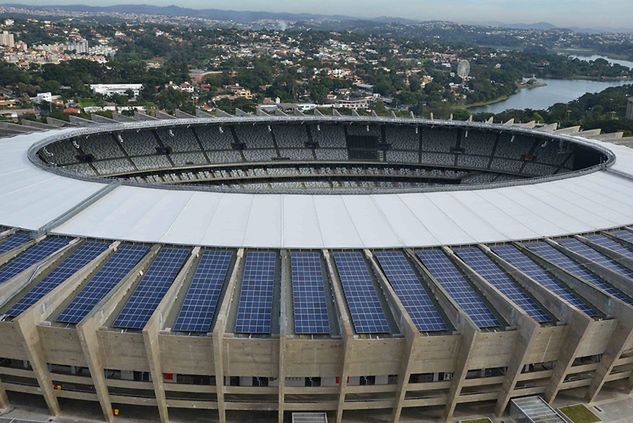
254	314
198	308
458	287
611	244
151	289
489	270
362	299
414	297
526	265
308	293
118	265
552	255
14	241
592	255
84	254
31	256
624	235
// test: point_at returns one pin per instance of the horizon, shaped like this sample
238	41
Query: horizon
594	14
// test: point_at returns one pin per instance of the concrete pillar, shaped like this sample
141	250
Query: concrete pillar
4	399
151	331
578	324
526	327
218	334
621	337
26	323
283	331
466	327
89	335
407	327
347	333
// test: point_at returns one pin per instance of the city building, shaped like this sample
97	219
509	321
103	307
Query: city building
240	264
78	46
629	109
108	90
7	39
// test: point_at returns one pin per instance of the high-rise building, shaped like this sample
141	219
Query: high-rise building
78	46
629	109
6	39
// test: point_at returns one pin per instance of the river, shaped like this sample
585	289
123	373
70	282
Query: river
541	98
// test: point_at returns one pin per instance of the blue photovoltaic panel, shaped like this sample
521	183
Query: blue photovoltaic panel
623	234
525	264
552	255
31	256
308	293
414	297
152	287
489	270
107	277
254	314
362	299
590	254
14	241
84	254
198	308
611	244
458	287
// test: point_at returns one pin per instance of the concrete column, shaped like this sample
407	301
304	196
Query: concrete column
151	331
89	335
218	334
621	337
4	399
347	333
283	330
526	327
578	323
26	324
610	306
407	327
466	327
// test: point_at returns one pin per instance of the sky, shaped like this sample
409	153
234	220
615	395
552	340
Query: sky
569	13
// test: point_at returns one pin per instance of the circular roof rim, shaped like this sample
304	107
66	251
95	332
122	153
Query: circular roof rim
172	123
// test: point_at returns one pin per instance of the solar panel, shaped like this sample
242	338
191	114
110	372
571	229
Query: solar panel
84	254
360	293
254	314
198	308
552	255
414	297
525	264
29	257
497	277
592	255
609	243
119	264
151	289
14	241
308	293
455	283
623	234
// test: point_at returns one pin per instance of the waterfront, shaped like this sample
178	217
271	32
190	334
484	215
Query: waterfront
555	91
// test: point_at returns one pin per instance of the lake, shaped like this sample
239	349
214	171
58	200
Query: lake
556	91
625	63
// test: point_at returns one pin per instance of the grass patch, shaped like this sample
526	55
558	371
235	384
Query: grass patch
579	414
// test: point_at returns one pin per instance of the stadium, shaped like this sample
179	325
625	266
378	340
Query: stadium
273	264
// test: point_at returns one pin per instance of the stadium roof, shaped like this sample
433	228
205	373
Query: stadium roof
34	198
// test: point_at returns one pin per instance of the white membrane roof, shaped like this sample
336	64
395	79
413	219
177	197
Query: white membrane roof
31	197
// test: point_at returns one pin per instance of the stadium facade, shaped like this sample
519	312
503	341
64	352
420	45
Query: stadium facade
313	263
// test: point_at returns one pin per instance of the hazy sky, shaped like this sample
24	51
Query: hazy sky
594	13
